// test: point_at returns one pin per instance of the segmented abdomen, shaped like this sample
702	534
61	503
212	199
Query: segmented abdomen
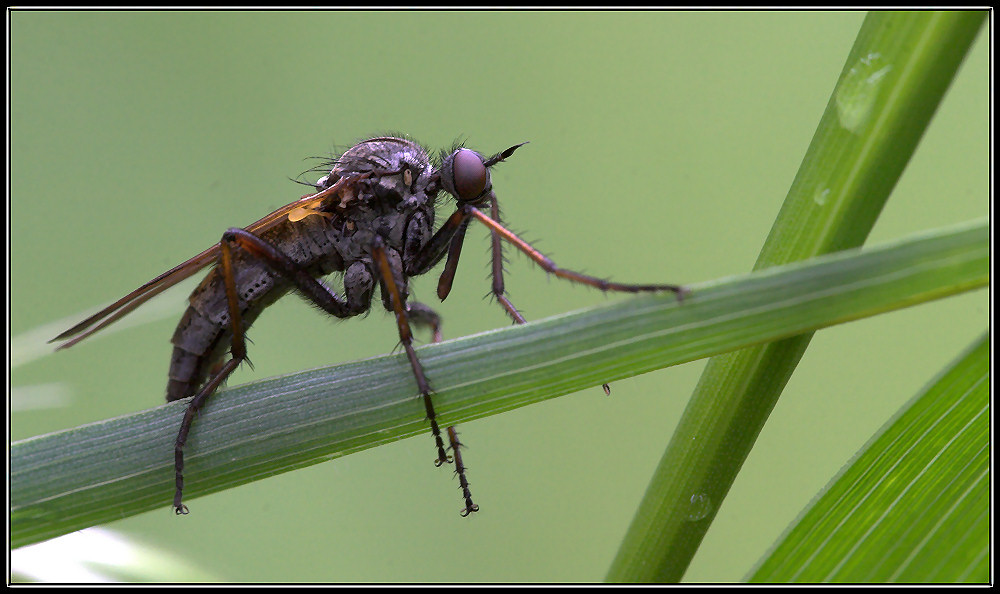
203	336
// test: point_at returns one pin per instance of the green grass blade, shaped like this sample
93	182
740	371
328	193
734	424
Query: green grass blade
100	472
892	82
914	505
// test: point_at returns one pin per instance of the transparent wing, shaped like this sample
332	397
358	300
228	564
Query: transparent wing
293	211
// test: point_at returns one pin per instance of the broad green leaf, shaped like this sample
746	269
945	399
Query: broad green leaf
914	505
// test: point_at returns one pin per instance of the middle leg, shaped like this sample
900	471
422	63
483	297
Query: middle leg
422	315
393	286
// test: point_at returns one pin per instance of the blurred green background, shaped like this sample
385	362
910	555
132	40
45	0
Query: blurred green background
662	145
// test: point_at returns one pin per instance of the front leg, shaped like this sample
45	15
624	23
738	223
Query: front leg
501	232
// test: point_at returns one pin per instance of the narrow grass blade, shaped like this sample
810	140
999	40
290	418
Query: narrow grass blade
100	472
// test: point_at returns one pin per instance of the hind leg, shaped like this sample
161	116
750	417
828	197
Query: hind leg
314	290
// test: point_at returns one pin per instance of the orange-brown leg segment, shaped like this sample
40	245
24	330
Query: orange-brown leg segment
453	232
451	264
399	308
310	287
498	285
498	232
239	354
570	275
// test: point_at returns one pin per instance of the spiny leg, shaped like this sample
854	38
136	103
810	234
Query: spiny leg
570	275
313	289
498	232
450	237
470	507
496	251
422	315
398	306
238	349
496	245
458	223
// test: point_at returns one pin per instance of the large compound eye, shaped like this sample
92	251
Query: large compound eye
469	175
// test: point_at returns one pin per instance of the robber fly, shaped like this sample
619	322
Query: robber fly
371	218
